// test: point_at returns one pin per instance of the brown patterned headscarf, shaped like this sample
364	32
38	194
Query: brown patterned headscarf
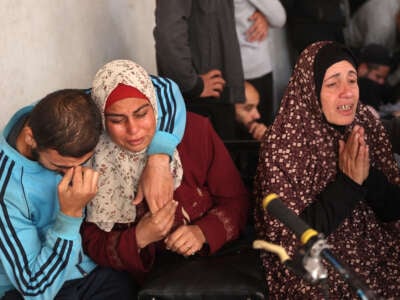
299	154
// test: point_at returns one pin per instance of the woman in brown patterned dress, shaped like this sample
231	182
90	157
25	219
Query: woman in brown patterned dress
331	162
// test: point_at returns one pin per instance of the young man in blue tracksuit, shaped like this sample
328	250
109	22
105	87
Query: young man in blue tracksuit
43	191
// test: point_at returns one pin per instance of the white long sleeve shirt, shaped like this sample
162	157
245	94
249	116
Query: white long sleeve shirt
255	56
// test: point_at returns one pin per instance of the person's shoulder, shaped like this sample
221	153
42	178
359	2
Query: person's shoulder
194	119
197	133
16	116
160	81
14	198
198	126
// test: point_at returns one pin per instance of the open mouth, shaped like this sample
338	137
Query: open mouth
135	142
345	107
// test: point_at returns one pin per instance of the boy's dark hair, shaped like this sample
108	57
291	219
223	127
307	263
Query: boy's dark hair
67	121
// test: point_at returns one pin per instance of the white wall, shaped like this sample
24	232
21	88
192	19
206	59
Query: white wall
51	44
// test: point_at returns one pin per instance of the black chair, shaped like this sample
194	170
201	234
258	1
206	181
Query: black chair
234	272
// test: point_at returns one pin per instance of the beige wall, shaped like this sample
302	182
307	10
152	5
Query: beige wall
51	44
46	45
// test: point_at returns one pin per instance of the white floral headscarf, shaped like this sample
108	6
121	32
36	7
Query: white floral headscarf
120	169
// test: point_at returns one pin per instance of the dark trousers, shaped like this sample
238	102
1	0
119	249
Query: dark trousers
100	284
393	129
221	115
264	86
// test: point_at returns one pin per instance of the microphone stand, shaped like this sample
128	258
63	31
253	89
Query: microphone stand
320	248
314	248
304	266
313	270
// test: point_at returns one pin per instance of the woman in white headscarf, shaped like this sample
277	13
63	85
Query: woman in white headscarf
211	202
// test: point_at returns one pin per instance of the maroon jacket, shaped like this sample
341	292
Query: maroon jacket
211	193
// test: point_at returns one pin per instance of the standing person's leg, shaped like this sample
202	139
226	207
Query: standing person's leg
264	86
393	129
100	284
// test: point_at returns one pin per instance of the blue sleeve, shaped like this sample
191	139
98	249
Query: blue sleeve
171	118
37	266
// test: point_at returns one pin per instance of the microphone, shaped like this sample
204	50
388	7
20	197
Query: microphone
315	244
274	205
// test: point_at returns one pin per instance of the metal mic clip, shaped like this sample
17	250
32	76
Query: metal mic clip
312	259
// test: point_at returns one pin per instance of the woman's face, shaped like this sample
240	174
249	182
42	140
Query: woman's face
131	123
339	93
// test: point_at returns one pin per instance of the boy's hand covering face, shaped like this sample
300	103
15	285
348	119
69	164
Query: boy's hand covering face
76	189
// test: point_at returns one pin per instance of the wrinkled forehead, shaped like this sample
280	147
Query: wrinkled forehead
318	57
57	161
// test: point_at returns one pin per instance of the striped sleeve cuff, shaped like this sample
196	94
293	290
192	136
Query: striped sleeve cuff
66	226
164	143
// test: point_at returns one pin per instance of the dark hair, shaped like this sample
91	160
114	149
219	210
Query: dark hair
375	54
67	121
373	66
